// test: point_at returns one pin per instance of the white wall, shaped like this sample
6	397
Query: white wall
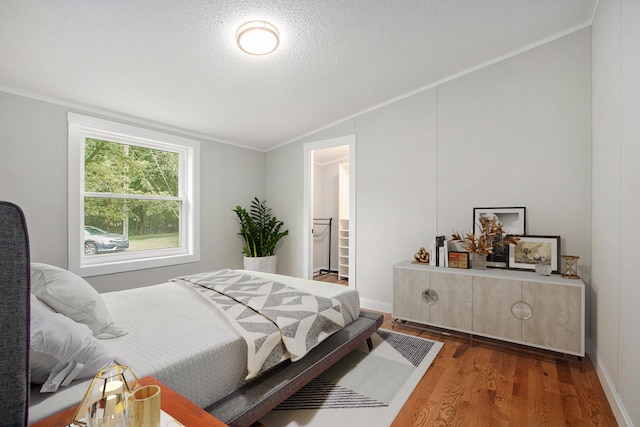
616	202
629	368
284	190
396	191
515	133
33	174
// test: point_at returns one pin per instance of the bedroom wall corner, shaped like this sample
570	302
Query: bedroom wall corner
33	171
396	194
284	194
615	204
629	385
412	181
284	190
33	174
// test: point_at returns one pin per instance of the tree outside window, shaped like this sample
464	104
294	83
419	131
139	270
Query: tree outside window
133	197
122	183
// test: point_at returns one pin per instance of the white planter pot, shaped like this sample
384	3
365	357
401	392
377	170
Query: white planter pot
265	264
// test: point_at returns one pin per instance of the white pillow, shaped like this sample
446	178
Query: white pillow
62	350
71	295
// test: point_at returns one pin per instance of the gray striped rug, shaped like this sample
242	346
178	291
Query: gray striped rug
368	388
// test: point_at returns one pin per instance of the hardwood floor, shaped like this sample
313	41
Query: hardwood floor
331	278
488	383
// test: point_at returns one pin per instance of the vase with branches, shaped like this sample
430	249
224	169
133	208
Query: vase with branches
490	236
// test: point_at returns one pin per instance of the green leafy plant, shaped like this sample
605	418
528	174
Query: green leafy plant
259	229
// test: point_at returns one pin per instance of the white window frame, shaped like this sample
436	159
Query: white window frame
81	127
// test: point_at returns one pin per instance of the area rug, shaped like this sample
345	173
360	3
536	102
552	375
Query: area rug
364	388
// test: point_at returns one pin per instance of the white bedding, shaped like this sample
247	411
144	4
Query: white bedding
171	335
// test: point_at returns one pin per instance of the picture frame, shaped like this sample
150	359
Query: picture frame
513	221
531	250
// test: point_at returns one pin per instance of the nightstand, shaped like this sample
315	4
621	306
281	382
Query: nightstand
173	404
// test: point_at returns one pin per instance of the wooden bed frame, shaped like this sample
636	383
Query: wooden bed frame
252	401
241	408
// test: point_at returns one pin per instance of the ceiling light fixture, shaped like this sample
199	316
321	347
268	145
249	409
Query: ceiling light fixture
258	38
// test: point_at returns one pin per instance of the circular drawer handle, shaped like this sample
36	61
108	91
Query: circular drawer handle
521	310
430	296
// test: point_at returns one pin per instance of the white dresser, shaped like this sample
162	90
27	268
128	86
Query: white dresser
516	306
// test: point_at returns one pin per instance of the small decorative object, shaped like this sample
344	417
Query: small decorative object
490	235
530	251
439	250
513	222
107	400
422	256
542	268
570	266
478	261
458	259
145	407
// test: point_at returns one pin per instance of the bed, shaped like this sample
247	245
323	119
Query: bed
170	332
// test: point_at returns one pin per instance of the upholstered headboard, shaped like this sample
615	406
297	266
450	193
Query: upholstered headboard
15	290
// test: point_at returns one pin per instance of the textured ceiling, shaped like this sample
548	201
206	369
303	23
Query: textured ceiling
176	64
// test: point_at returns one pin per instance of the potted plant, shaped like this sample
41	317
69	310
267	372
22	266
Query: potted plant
261	233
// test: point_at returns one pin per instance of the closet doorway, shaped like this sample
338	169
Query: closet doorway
329	209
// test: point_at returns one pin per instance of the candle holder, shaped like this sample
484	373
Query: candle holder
106	402
570	267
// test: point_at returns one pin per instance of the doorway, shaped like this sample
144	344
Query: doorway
329	209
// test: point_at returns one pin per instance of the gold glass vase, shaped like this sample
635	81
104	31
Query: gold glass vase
106	402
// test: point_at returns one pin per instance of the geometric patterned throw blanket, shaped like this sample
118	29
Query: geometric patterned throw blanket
277	321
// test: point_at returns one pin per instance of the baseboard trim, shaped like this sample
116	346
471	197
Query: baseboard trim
619	411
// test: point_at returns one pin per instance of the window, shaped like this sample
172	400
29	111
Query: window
133	197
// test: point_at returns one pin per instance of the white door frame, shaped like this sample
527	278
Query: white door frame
307	209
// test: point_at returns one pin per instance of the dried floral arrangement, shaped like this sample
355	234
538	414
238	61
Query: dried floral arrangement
491	234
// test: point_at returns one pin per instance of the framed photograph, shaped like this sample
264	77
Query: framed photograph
513	221
532	250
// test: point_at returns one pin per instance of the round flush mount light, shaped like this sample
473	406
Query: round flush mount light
257	38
